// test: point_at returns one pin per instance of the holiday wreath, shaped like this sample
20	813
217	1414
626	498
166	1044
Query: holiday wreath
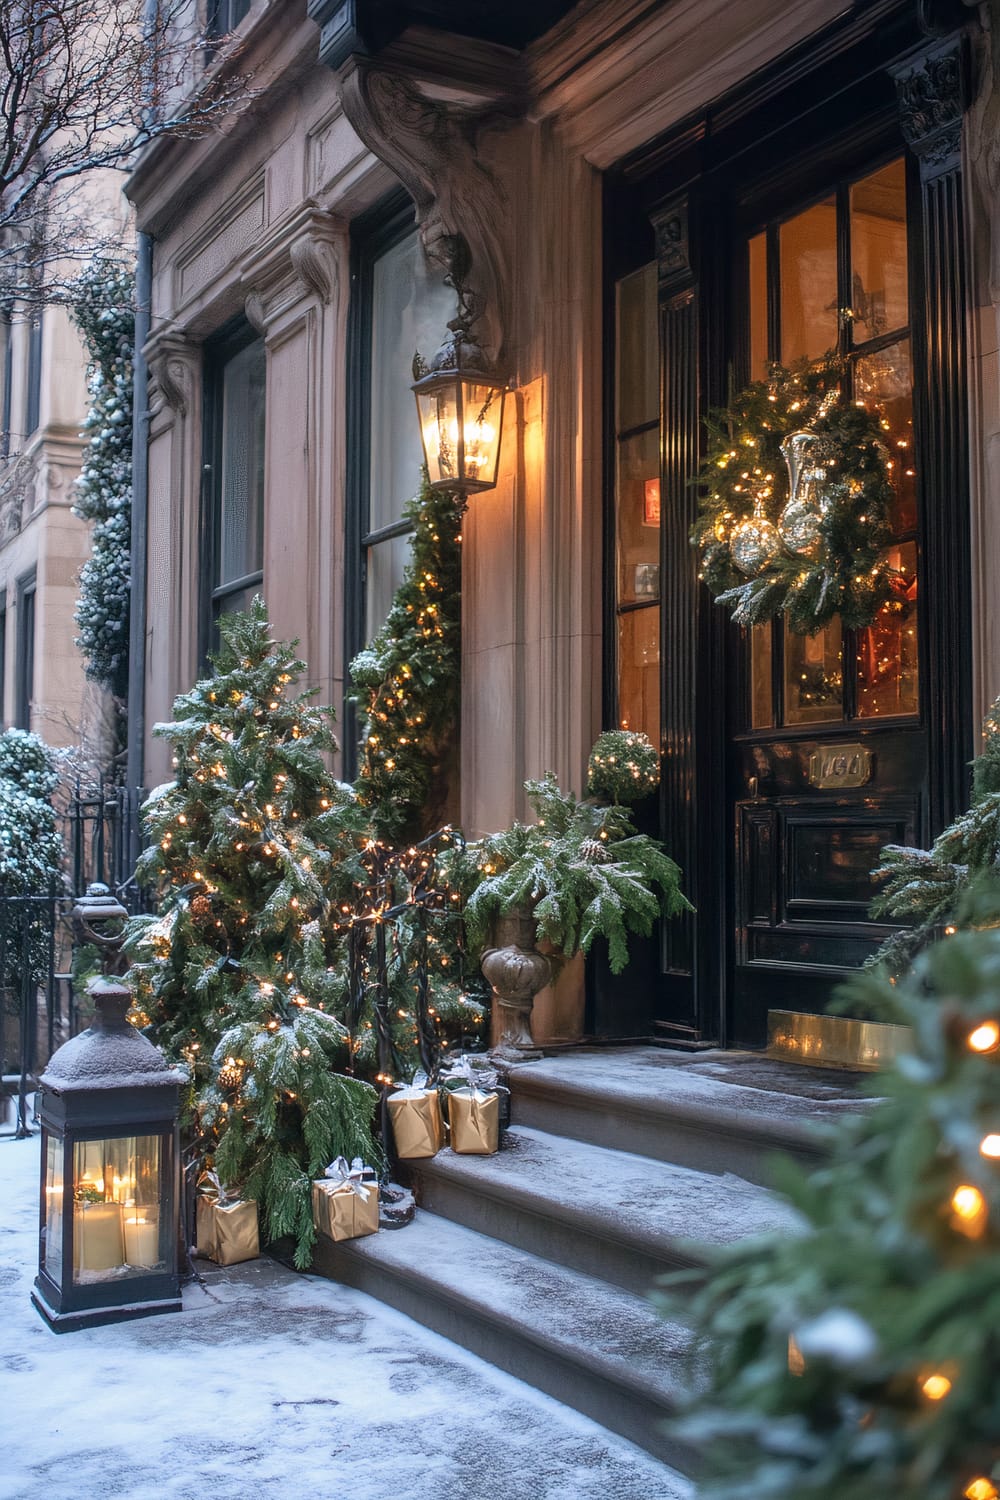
793	515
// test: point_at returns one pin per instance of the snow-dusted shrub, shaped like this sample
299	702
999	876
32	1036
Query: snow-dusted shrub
103	310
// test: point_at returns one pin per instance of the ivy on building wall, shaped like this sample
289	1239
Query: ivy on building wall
102	307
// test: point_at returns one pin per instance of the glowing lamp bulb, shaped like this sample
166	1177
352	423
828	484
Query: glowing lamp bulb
936	1387
981	1489
985	1038
990	1146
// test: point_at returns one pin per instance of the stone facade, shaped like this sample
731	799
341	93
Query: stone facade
506	149
41	538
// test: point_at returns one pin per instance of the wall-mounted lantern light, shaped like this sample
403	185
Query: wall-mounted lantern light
460	400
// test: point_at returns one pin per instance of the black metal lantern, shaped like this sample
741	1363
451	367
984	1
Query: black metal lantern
109	1215
460	401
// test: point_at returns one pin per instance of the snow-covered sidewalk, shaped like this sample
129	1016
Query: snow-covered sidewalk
272	1384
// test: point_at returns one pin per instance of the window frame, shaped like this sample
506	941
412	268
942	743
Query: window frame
218	352
24	670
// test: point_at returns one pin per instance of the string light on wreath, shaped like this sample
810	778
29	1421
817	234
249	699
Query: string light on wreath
794	511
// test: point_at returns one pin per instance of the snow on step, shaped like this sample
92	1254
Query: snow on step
651	1205
748	1093
564	1312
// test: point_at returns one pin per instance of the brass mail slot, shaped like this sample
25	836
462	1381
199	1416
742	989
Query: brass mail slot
836	766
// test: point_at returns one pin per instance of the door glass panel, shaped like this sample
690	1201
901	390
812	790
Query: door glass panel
887	651
639	517
758	307
639	671
879	292
886	377
638	381
809	283
813	676
761	705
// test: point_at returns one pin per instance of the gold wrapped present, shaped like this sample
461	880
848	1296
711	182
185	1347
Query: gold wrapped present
474	1121
417	1126
345	1203
226	1227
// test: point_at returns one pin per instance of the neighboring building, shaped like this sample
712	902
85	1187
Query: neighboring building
42	543
657	199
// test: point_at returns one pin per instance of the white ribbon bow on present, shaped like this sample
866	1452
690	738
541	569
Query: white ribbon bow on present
341	1175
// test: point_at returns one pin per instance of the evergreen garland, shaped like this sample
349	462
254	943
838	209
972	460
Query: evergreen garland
102	307
252	847
744	489
582	868
407	681
942	888
860	1359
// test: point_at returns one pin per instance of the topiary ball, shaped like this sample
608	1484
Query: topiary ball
623	766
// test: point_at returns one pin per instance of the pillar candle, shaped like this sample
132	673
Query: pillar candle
142	1240
97	1236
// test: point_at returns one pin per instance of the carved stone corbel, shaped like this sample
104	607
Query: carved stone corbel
316	253
174	363
462	208
303	259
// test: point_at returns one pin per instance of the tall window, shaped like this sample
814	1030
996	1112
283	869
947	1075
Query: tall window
235	376
33	404
401	305
834	276
24	685
223	16
637	503
3	657
7	367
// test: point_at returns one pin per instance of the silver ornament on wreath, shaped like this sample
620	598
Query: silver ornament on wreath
754	542
801	520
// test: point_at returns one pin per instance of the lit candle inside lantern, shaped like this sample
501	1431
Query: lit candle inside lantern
97	1236
141	1240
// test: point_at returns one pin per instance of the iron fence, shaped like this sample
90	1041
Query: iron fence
39	1004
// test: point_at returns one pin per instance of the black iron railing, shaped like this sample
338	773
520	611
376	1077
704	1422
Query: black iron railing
38	949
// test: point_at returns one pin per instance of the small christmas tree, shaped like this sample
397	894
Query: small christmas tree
928	889
861	1358
252	846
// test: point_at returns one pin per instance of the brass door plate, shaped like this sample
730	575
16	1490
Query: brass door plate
832	767
835	1041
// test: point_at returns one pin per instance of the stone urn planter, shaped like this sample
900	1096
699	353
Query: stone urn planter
516	971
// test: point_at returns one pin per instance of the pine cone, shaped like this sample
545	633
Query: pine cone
201	910
595	852
230	1074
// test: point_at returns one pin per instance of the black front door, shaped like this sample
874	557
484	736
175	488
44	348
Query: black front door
828	753
816	208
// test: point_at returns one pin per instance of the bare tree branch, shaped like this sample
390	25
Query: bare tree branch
83	85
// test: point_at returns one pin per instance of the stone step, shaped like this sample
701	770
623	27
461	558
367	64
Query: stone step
601	1350
714	1111
610	1214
